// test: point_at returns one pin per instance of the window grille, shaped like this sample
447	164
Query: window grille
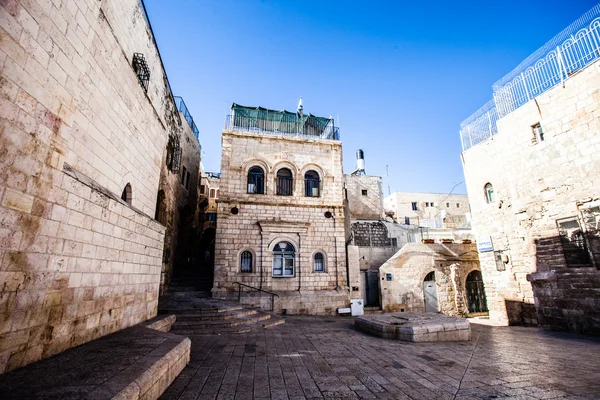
312	184
246	261
319	262
140	66
285	182
175	164
256	180
283	260
573	242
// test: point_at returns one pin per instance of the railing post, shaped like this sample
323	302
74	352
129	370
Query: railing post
561	66
526	88
490	124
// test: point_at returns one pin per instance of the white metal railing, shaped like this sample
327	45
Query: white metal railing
571	50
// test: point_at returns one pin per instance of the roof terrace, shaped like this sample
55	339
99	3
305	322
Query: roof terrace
280	122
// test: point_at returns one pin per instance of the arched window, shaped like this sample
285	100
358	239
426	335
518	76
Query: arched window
246	261
430	277
283	259
126	195
256	180
285	182
212	193
319	261
312	184
489	193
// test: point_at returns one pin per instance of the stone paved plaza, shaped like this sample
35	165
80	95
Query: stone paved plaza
326	357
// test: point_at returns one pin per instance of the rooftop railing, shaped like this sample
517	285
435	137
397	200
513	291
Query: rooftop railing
282	127
574	48
186	114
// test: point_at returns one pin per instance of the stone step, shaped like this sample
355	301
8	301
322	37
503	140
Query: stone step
192	310
373	310
220	323
229	314
268	323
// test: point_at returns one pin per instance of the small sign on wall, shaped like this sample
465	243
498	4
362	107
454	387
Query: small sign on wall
484	244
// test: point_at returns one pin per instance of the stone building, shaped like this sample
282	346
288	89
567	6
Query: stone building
281	212
536	204
86	115
439	215
372	238
442	278
177	200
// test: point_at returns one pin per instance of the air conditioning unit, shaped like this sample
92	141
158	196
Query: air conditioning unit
315	192
357	306
251	188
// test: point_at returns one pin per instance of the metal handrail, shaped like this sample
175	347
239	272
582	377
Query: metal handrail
257	289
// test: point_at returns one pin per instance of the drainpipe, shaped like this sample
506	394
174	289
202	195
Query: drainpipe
261	261
299	269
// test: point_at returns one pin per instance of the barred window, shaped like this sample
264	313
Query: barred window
285	182
246	261
312	184
256	180
319	262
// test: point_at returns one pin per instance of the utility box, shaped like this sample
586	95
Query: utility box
357	306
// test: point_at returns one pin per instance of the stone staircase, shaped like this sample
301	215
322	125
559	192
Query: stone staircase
198	314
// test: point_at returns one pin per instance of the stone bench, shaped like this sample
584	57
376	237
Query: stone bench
135	363
415	327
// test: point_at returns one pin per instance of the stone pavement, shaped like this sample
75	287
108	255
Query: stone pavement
325	357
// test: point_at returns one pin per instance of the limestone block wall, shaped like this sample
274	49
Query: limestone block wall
537	182
373	234
75	128
451	264
365	196
260	221
401	204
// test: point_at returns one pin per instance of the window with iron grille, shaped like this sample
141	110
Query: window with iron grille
573	242
256	180
499	258
140	67
173	159
246	261
285	182
319	262
312	184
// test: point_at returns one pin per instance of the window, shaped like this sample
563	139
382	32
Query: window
256	180
126	195
183	175
140	67
160	213
406	220
173	158
489	193
500	264
432	204
319	262
414	206
246	261
394	242
185	178
312	184
447	204
538	133
427	204
364	192
573	242
285	182
283	260
430	277
457	205
212	193
202	189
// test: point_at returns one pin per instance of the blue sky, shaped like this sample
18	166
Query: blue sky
398	76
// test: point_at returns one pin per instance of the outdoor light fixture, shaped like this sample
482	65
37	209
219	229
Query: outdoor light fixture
328	214
235	210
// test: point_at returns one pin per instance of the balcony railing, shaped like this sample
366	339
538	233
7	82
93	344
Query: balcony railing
576	47
186	114
285	186
287	127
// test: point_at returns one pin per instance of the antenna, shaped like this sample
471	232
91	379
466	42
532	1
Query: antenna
387	174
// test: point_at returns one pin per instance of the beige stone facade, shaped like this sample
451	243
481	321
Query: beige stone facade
543	215
256	223
78	133
436	210
447	266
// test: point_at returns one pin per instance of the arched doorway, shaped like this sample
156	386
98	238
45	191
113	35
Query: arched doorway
476	293
430	293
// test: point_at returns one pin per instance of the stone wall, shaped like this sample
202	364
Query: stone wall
372	234
257	222
364	194
452	204
537	183
75	128
451	264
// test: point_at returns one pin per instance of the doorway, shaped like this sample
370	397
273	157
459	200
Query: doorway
372	288
430	293
476	293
